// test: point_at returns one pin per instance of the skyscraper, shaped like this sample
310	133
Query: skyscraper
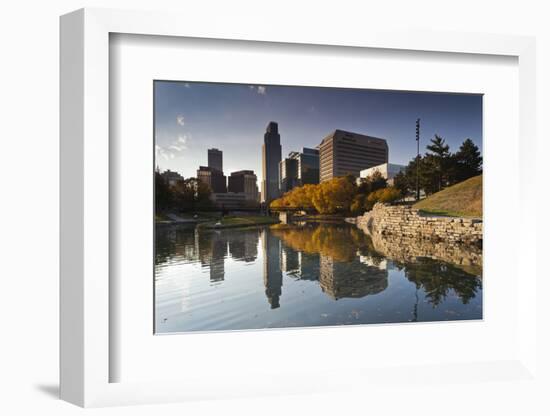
214	178
342	153
288	174
271	156
244	181
308	165
215	159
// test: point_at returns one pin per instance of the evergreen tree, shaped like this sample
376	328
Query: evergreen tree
439	163
468	160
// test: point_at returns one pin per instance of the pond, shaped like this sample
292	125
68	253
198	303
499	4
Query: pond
304	275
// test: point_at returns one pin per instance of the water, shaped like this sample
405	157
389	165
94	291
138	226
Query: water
304	275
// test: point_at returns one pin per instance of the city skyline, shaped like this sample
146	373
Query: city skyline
191	118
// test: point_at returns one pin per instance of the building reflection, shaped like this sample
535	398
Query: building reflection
344	261
331	255
243	245
291	261
273	275
338	281
217	260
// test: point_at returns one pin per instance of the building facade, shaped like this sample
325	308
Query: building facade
308	165
387	170
215	159
299	168
171	178
244	181
288	174
271	156
214	178
342	153
233	201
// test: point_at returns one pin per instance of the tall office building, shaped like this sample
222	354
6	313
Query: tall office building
271	156
342	153
171	178
244	181
214	178
288	174
308	165
215	159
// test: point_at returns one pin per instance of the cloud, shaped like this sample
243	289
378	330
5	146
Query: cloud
180	120
180	144
260	89
173	149
186	85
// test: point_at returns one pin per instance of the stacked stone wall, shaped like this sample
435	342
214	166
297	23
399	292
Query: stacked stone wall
406	221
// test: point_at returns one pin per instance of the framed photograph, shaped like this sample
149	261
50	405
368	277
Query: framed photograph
229	203
304	223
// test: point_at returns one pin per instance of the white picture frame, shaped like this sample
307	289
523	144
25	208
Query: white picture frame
85	211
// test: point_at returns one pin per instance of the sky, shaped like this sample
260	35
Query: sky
191	117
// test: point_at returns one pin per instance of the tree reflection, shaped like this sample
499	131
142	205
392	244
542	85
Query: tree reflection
339	242
340	267
437	279
341	259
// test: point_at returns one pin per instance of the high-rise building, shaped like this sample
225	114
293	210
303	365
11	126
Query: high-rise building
288	174
215	159
271	156
308	165
244	181
299	168
171	178
342	153
214	178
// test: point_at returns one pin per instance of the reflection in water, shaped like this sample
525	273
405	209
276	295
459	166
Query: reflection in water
438	279
302	275
273	275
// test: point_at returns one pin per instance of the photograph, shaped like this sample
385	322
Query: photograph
287	206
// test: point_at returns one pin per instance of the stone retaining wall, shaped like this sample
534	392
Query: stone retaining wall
405	221
408	250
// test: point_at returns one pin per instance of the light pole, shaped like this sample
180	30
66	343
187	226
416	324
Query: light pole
417	159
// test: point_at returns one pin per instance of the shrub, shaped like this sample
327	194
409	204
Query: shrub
386	195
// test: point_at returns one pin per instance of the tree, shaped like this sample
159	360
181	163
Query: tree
439	162
372	183
357	206
386	195
334	195
401	183
468	160
193	194
163	194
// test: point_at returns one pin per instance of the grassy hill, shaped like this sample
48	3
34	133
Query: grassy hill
461	200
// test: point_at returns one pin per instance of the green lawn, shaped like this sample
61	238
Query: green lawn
465	199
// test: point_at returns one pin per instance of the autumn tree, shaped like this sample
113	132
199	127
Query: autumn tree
335	195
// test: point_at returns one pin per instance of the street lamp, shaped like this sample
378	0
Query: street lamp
417	159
